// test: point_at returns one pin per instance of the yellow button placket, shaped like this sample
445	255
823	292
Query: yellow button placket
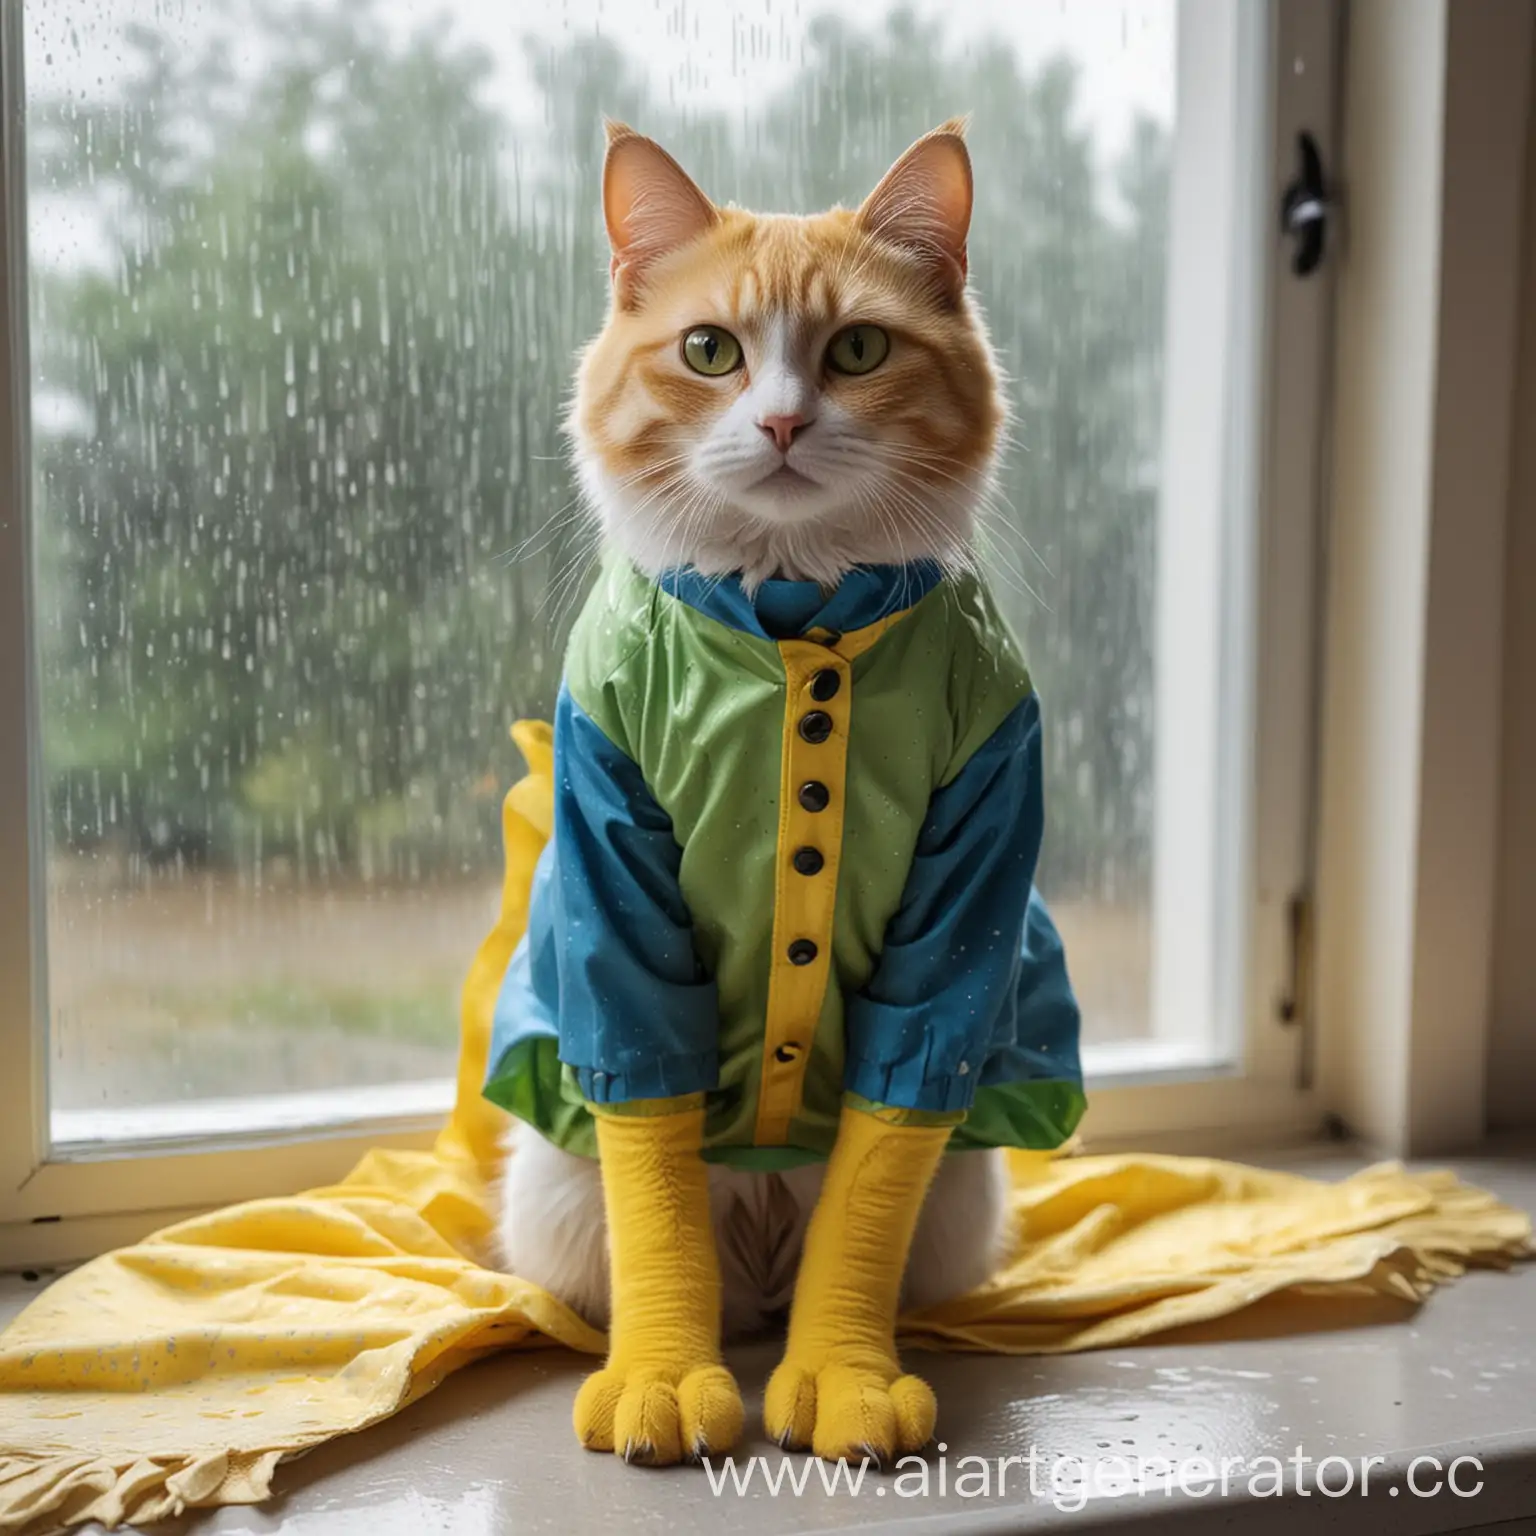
804	905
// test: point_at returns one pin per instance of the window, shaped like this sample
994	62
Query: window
294	296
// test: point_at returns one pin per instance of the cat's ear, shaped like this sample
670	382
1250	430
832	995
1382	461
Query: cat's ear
651	206
923	204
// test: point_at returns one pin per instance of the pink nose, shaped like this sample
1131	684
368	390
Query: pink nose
782	429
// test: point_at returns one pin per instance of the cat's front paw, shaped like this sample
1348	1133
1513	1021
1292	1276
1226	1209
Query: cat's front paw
853	1407
657	1417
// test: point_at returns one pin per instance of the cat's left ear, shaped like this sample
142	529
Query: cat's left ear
923	204
651	205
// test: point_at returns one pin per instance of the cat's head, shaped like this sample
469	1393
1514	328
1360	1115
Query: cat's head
784	395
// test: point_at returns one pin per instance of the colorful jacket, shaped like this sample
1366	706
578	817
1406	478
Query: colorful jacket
793	857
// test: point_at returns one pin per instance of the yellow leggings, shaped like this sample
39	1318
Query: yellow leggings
664	1392
840	1390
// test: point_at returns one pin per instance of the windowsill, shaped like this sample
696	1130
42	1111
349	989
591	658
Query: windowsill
80	1134
492	1451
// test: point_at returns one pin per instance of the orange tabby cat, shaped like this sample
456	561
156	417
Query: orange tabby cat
883	466
784	952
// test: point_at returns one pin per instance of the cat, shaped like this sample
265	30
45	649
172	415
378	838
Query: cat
807	950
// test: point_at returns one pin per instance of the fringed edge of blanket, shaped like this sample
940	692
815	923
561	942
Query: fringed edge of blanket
43	1495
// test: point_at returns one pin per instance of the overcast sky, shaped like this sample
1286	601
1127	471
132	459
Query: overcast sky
1125	49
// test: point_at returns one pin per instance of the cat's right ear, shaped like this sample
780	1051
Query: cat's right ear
651	205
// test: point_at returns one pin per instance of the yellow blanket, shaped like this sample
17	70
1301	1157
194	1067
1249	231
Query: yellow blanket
179	1372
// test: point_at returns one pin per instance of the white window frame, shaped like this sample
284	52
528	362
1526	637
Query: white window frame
1237	687
1430	309
125	1173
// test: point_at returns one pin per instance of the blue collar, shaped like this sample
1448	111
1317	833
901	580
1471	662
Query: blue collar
784	610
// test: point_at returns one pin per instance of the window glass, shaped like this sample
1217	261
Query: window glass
305	286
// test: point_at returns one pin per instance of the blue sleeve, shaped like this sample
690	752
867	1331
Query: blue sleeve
610	936
971	984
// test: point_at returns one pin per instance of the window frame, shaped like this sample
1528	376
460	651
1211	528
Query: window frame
60	1204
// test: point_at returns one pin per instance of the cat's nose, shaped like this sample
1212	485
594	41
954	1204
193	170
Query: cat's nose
782	429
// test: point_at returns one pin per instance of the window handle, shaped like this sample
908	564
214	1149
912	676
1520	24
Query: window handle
1304	208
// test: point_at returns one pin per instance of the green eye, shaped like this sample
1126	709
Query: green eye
708	349
858	349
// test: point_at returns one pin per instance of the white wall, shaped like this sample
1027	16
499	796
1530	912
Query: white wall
1430	279
1512	1032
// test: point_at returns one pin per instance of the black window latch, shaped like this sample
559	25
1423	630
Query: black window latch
1304	208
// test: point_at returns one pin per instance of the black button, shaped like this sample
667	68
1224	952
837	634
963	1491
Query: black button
825	684
808	861
787	1052
802	952
816	726
814	796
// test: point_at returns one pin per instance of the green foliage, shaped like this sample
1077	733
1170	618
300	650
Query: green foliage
315	545
403	1012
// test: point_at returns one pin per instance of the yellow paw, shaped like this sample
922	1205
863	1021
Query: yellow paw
657	1417
849	1409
